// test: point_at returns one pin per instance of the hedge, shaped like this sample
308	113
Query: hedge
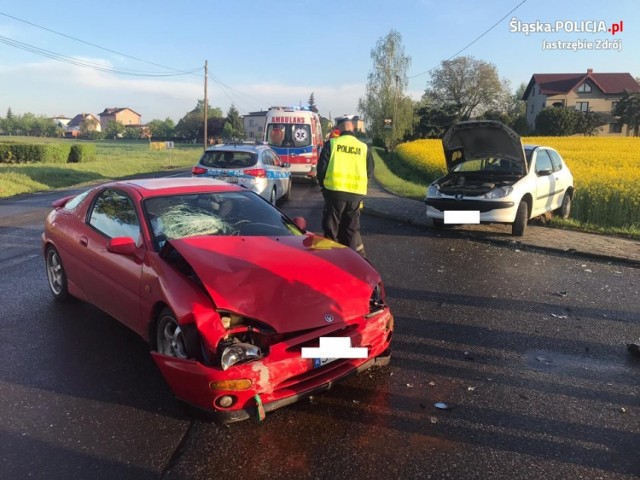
46	153
82	153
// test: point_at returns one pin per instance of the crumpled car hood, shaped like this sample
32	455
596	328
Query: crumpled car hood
291	283
481	139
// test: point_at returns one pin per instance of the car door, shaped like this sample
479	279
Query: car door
561	174
112	280
281	173
545	183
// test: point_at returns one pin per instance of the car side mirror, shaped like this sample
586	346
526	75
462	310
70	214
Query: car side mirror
543	173
301	223
122	246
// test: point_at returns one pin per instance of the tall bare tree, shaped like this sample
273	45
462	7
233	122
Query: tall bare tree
384	97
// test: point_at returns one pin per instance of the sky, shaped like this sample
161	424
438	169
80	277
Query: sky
262	54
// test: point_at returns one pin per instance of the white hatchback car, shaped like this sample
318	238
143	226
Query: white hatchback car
494	179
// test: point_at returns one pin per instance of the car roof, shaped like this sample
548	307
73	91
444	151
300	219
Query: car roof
533	147
242	147
155	187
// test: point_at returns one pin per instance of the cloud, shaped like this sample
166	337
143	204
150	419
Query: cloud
50	87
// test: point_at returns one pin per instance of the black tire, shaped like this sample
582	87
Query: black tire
175	340
56	275
565	209
520	223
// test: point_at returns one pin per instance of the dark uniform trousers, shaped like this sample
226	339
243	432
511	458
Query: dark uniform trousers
341	221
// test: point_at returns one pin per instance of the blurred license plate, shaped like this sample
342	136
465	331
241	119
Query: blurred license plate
321	362
229	179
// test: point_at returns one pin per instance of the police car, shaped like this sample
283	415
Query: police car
254	167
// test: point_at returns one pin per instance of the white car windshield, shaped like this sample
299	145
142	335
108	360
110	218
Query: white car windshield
490	165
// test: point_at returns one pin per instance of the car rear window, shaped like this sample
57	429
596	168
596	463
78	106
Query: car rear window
228	159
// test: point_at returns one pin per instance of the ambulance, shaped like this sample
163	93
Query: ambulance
296	136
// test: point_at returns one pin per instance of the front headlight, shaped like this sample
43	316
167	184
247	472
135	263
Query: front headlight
499	192
376	301
239	353
433	191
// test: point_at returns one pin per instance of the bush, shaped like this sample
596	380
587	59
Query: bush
82	153
34	153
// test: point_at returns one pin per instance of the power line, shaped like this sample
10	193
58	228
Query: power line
46	53
85	64
87	43
477	38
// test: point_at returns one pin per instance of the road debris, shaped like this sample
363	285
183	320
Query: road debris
410	385
563	293
559	316
471	389
433	419
442	406
468	356
431	383
634	348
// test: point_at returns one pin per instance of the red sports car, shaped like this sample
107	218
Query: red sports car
226	289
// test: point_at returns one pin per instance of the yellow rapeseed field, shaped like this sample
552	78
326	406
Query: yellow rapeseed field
606	173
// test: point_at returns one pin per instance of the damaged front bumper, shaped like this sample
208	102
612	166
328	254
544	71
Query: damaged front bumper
280	378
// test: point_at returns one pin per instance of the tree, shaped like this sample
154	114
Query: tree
628	109
312	103
471	84
326	125
433	120
191	126
161	129
384	97
114	129
588	123
235	120
556	122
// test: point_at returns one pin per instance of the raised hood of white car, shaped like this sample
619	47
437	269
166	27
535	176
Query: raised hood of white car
475	139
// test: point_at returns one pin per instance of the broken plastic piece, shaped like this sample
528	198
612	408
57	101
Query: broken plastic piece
468	356
442	406
260	408
563	293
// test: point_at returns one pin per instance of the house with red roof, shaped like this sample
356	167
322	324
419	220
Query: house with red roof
593	92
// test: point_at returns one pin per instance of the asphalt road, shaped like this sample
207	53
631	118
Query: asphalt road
527	349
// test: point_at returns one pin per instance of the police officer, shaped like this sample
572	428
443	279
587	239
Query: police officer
343	168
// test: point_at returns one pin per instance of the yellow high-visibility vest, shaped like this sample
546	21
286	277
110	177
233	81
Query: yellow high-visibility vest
347	169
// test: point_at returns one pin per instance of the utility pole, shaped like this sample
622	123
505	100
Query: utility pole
206	106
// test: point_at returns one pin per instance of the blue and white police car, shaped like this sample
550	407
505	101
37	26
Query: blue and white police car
256	167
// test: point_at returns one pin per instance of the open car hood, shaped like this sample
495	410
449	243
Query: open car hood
291	283
481	139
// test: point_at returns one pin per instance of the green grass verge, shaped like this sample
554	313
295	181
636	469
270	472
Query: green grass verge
114	160
398	178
